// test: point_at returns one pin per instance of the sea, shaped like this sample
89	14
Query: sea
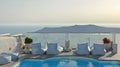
74	38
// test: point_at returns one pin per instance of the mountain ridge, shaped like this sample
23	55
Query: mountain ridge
79	29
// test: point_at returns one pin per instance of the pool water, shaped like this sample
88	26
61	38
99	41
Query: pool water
68	62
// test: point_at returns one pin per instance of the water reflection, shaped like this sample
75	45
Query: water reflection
90	64
67	63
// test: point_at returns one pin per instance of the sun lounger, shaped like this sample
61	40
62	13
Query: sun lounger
83	49
98	49
53	48
60	49
36	49
4	59
14	56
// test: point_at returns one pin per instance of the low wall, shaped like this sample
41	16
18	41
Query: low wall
7	43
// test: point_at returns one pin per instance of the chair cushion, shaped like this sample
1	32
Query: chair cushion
14	56
4	59
36	48
83	49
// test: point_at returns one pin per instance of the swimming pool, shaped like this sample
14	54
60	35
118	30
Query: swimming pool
68	62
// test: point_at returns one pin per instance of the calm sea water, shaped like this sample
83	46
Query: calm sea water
59	38
18	29
74	38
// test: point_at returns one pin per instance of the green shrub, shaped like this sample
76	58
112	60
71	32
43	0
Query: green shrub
106	40
28	40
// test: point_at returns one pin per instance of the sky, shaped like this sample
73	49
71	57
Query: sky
60	12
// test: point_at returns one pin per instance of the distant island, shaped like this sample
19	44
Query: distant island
79	29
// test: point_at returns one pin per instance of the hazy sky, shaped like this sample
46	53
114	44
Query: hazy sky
59	12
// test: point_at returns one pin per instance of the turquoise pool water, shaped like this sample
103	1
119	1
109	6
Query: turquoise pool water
68	62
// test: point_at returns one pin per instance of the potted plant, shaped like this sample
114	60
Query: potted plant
28	42
107	43
106	40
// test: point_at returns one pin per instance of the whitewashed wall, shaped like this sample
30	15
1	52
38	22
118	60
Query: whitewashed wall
7	42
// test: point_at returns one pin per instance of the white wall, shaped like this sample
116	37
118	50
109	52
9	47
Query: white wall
7	42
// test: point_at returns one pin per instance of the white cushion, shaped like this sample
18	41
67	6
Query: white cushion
52	48
98	49
36	48
4	59
14	56
83	49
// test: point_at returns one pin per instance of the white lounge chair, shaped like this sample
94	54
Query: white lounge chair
53	48
4	59
98	49
83	49
14	56
36	49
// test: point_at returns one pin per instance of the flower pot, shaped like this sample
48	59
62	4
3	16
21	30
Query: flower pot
107	47
27	48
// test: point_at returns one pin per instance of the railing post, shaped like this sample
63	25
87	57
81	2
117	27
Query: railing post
114	45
